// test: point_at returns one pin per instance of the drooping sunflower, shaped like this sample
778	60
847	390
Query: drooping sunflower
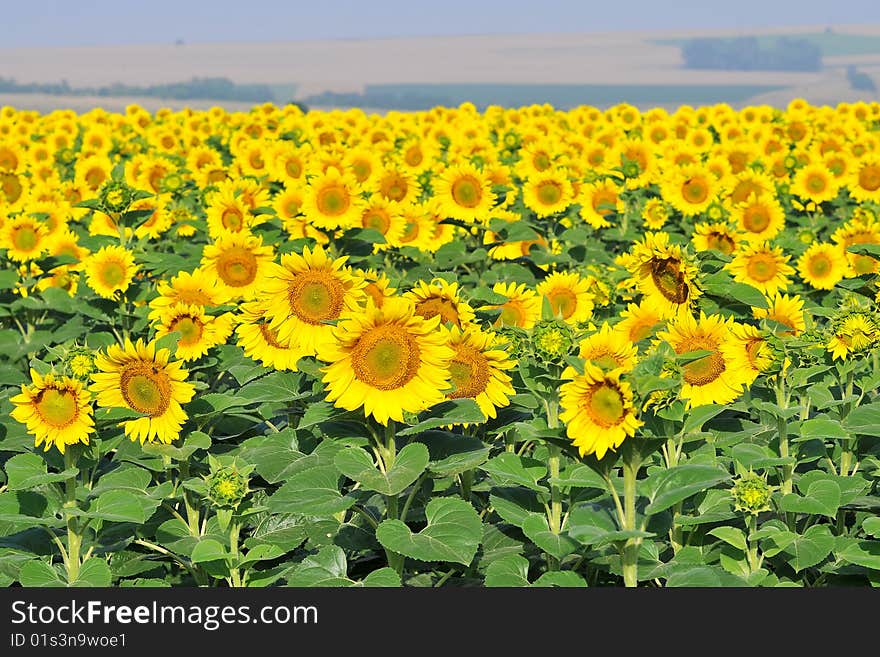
569	296
332	200
199	332
816	183
56	410
305	294
597	410
24	238
440	298
143	379
609	350
715	378
477	369
260	342
855	333
239	263
522	308
751	350
665	274
785	310
110	270
548	192
760	218
822	266
387	360
762	266
464	193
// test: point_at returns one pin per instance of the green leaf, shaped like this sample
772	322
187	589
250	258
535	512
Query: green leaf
698	416
590	523
356	464
823	428
25	471
514	504
452	454
862	553
871	526
314	492
811	548
579	476
538	531
864	420
208	549
725	287
509	468
123	506
327	568
679	483
261	552
38	573
822	497
731	536
94	572
562	578
383	577
318	412
454	411
276	386
512	570
702	576
286	531
8	279
452	534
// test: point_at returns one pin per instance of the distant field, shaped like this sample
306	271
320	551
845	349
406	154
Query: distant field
833	44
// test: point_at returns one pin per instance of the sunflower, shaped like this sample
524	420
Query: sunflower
690	189
640	321
110	270
440	298
548	192
759	219
376	286
751	350
420	223
143	379
522	308
762	266
864	181
386	217
569	296
859	230
388	360
260	342
784	310
24	238
477	369
305	294
239	264
655	214
597	410
716	378
464	192
665	274
228	214
56	410
822	265
852	335
199	331
332	200
599	201
196	288
815	182
395	185
717	236
608	350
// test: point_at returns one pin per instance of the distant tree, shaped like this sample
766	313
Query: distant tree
747	54
859	80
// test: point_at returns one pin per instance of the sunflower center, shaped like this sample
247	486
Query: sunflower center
270	336
695	190
190	328
193	297
721	242
232	219
437	306
820	265
668	279
387	358
605	405
869	178
816	183
756	219
604	203
512	314
413	156
469	371
361	170
57	408
563	301
394	188
293	168
756	349
333	201
146	389
11	187
292	208
377	220
25	238
95	178
315	297
466	192
237	267
550	193
704	370
112	273
761	268
603	359
410	232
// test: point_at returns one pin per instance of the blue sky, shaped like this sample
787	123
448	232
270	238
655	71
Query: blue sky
112	22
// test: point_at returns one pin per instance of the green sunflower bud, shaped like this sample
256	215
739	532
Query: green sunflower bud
751	494
80	361
553	339
227	486
115	196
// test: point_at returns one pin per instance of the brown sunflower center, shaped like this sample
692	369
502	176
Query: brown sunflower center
393	187
232	219
702	371
237	267
413	156
293	168
433	306
410	231
316	296
869	178
720	242
512	314
604	202
762	267
816	183
95	177
669	280
695	190
386	357
58	408
111	273
377	219
466	191
756	218
146	389
11	186
469	371
190	328
603	358
549	193
333	200
819	265
361	170
194	297
605	405
25	238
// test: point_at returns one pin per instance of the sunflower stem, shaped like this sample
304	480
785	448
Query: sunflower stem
234	572
782	430
752	546
389	453
631	463
465	482
846	447
192	512
74	538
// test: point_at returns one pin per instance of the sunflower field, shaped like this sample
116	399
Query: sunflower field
517	347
